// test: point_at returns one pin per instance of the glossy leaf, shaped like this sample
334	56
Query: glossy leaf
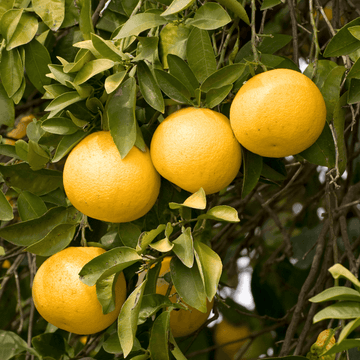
188	284
63	101
30	206
58	74
221	213
175	350
344	345
121	115
106	48
176	6
52	12
194	201
85	20
128	318
147	237
339	271
252	166
37	157
215	96
129	234
323	69
159	337
113	81
149	88
59	126
183	247
339	310
236	8
81	58
267	4
210	16
9	23
105	293
200	54
163	245
11	71
273	169
112	345
49	344
147	47
106	264
7	110
67	143
348	329
91	69
336	293
6	211
354	91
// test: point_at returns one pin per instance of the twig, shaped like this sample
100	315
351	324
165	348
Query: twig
294	31
96	14
226	42
345	238
17	282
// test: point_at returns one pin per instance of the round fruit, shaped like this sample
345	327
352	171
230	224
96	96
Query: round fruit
196	148
182	322
225	332
278	113
64	301
105	187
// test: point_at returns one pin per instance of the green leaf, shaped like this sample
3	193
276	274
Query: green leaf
9	22
139	23
181	70
63	101
149	88
129	234
91	69
6	211
200	54
172	87
210	265
159	337
67	143
25	31
273	169
12	344
349	328
37	182
85	20
163	245
175	350
236	8
37	157
37	59
81	58
354	91
128	319
194	201
106	48
7	110
31	231
221	213
121	115
5	5
105	293
54	90
113	81
30	206
112	345
267	4
58	74
323	70
58	239
176	6
52	12
216	96
106	264
11	71
59	126
339	310
338	271
344	345
147	237
336	293
183	247
252	166
49	344
147	47
322	152
225	76
343	43
188	284
210	16
173	39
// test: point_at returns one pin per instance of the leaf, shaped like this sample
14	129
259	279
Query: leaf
159	337
175	350
236	8
112	345
336	293
210	265
338	271
273	169
176	6
163	245
128	318
348	328
210	16
147	237
91	69
57	73
85	20
183	247
188	284
181	70
266	4
149	88
323	70
37	182
225	76
106	264
12	344
339	310
57	239
7	110
113	81
216	96
252	166
37	157
123	127
343	43
6	211
354	91
106	48
30	206
49	344
29	232
105	293
139	23
63	101
59	126
147	47
129	234
221	213
52	12
322	152
54	90
344	345
172	87
11	71
25	31
81	58
194	201
200	54
67	143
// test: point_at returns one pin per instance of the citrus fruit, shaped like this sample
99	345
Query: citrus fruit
103	186
225	332
64	301
278	113
196	148
182	322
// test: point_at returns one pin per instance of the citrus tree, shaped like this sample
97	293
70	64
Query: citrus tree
131	206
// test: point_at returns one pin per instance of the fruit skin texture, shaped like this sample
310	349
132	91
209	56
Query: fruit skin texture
64	301
278	113
105	187
182	322
196	148
225	332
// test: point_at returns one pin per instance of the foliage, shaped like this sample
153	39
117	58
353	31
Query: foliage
123	66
